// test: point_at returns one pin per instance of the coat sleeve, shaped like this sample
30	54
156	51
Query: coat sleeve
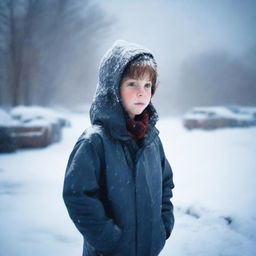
81	194
167	186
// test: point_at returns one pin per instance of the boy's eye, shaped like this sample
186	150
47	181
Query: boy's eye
131	84
148	85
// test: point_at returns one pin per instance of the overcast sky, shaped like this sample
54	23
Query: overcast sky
185	26
176	30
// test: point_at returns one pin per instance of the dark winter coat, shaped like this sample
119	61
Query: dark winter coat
118	192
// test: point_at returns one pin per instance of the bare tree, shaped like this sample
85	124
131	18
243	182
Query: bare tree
48	49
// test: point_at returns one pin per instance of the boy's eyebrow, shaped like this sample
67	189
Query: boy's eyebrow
129	78
133	79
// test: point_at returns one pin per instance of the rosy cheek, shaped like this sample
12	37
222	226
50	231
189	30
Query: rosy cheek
127	96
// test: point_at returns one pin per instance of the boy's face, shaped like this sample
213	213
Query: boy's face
135	94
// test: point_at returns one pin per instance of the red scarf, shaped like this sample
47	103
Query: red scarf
137	128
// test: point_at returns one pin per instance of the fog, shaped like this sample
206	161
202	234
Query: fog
48	51
205	50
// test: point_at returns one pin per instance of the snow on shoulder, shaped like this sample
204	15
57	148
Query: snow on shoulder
89	132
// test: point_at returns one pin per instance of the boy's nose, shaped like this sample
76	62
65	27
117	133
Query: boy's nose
140	91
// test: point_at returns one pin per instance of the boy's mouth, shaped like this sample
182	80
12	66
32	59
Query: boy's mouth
140	104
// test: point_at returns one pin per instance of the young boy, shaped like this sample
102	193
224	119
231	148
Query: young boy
118	182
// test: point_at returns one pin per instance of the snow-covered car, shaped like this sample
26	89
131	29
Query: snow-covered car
219	117
30	127
37	113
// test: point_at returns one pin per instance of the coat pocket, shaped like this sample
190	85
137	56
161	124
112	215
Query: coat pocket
163	232
124	245
158	238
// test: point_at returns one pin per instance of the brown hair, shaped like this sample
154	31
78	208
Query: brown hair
137	68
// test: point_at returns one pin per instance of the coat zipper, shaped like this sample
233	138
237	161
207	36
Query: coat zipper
127	151
138	154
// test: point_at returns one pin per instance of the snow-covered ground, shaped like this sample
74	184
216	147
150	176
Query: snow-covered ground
214	197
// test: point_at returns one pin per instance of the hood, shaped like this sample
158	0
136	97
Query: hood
106	108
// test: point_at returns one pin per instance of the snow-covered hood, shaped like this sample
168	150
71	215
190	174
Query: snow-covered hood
106	107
